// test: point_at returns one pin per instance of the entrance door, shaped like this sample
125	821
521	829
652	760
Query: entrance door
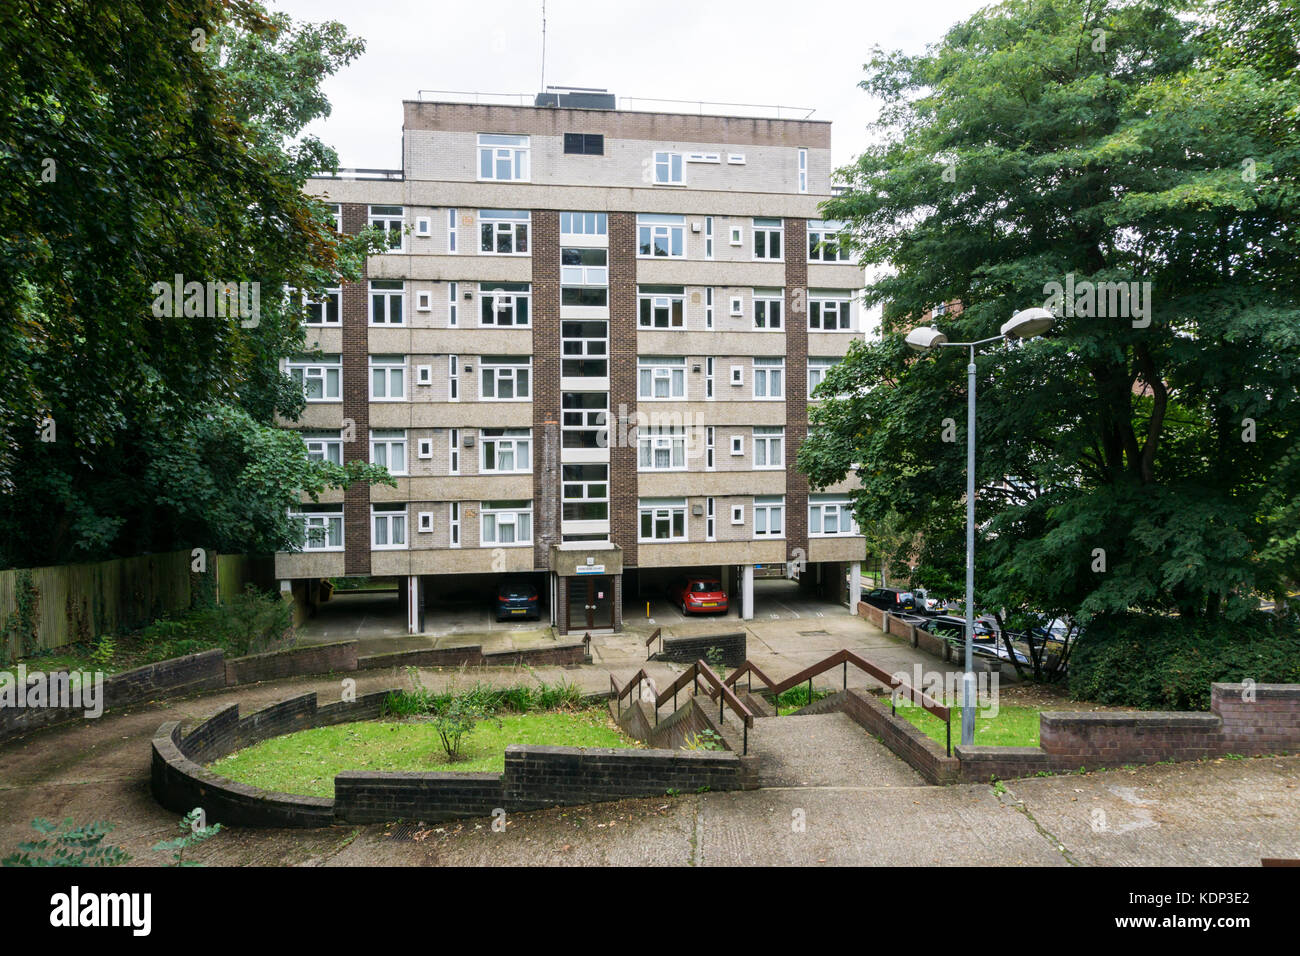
591	602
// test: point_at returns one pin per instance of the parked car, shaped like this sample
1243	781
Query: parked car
699	595
893	600
948	625
926	604
517	600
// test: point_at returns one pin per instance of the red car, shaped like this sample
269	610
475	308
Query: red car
699	595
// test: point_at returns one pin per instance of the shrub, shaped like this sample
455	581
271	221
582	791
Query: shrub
1168	663
67	845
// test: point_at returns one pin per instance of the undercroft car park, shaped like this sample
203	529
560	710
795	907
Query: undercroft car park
601	476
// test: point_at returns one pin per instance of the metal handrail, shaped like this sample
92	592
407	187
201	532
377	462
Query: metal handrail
751	669
654	636
637	679
693	674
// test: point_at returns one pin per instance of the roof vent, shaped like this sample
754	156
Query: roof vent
577	97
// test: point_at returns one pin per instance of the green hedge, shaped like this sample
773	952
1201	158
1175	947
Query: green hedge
1168	663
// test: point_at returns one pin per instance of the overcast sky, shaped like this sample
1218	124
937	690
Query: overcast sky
807	54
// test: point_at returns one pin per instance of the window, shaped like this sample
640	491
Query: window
584	348
586	492
737	375
506	523
708	377
324	446
321	379
322	527
584	144
504	304
503	232
817	368
388	448
453	316
662	519
423	301
708	237
708	448
661	236
827	241
387	526
737	238
505	378
669	169
708	308
737	514
940	309
767	308
453	451
661	306
453	524
829	314
388	220
661	378
584	224
803	170
327	310
387	378
386	302
830	514
769	446
737	306
335	212
506	450
424	448
710	529
737	445
425	522
503	158
453	378
423	226
584	277
767	238
452	231
661	448
769	517
769	378
583	419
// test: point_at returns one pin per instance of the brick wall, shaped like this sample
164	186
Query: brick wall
796	382
546	384
922	754
623	491
697	647
309	659
356	404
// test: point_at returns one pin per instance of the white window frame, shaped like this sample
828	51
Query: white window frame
389	296
708	378
769	311
334	296
661	368
843	508
424	448
665	163
424	522
710	519
453	451
505	303
423	226
737	514
737	446
767	506
653	227
708	307
388	527
514	150
453	378
709	435
764	230
388	439
453	306
318	370
324	521
392	224
505	368
736	237
666	510
324	446
660	301
708	237
651	440
453	524
511	515
424	375
769	442
506	223
598	221
737	375
803	170
769	371
841	307
423	301
590	491
824	243
737	306
516	442
453	231
393	368
817	367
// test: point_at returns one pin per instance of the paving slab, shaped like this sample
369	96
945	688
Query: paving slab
824	750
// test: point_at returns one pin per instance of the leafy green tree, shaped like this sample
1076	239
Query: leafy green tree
142	140
1125	464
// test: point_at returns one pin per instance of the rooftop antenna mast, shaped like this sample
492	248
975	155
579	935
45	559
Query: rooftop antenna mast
543	86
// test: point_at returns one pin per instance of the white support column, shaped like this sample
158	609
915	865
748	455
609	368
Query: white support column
412	605
855	585
747	593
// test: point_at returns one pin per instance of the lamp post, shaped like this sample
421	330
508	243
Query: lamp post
1023	325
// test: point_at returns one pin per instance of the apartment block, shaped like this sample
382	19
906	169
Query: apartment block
587	358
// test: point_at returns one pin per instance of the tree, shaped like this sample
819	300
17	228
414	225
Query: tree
1127	464
140	141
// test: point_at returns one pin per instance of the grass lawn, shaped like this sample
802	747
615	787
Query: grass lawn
1014	726
307	761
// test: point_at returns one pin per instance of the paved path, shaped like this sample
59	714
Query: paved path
824	750
858	808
